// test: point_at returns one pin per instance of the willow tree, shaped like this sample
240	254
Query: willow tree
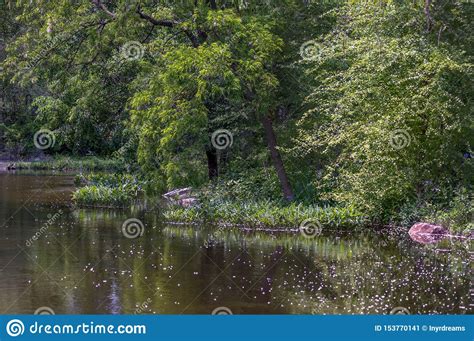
226	69
200	66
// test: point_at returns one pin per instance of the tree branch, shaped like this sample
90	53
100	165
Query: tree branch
168	23
100	5
156	22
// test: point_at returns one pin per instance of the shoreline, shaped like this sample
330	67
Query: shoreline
4	165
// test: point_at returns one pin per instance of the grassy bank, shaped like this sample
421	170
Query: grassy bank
235	203
267	214
121	190
63	163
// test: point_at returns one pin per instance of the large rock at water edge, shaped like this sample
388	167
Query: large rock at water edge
427	233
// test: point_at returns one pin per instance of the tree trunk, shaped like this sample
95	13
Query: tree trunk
212	163
276	159
429	18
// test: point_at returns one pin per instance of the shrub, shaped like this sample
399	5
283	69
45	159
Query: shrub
116	190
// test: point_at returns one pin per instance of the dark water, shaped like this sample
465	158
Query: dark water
78	261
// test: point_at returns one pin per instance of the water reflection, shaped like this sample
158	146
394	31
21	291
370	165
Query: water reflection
82	263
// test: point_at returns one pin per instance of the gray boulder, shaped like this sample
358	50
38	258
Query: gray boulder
427	233
182	197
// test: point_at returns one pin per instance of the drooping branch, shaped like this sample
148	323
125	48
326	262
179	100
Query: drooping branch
156	22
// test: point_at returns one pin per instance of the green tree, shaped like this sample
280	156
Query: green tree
391	115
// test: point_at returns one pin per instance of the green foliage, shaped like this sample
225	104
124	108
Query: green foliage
102	196
266	214
106	179
376	74
197	90
452	209
106	190
379	117
458	215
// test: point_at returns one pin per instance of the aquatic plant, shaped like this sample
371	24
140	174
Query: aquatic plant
266	214
116	190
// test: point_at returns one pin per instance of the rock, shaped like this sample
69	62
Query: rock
188	202
427	233
181	197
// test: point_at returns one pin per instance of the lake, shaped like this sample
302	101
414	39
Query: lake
55	257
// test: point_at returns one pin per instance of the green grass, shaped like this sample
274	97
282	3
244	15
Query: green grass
266	214
106	190
102	196
109	180
89	163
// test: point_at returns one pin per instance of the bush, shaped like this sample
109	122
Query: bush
390	112
116	190
456	213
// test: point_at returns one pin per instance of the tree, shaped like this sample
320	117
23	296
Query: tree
391	111
206	63
227	65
